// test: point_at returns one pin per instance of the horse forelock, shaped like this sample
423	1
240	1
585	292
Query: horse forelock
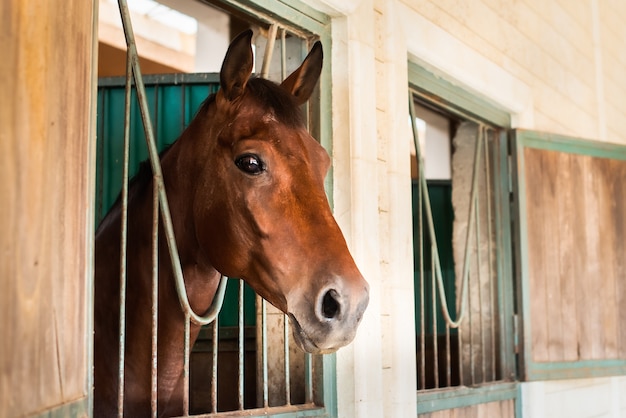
278	101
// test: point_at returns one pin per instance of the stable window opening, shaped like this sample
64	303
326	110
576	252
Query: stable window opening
456	273
246	360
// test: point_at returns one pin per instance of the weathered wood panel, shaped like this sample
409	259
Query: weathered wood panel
479	331
45	88
576	214
500	409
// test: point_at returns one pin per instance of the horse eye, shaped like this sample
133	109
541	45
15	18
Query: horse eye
250	164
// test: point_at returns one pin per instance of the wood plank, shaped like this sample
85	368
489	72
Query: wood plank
571	233
538	203
589	314
619	216
606	169
552	176
44	184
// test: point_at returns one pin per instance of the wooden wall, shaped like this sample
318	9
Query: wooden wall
499	409
576	208
45	195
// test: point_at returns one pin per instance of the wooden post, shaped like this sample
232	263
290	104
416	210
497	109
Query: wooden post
45	200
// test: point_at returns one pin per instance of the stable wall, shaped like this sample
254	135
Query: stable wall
556	66
45	192
582	398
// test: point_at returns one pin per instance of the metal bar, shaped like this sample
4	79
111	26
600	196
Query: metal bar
124	243
286	350
264	351
186	366
470	325
155	298
241	348
460	355
168	227
308	378
422	298
479	270
214	353
283	75
479	276
492	290
283	54
434	321
448	358
269	50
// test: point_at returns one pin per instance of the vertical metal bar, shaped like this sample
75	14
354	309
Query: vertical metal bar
155	296
461	364
422	359
286	349
308	378
186	355
479	270
448	358
269	50
283	75
214	353
470	324
481	328
264	351
283	54
241	347
492	280
124	242
434	321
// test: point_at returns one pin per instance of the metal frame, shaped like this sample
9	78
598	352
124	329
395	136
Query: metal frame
550	370
320	379
436	89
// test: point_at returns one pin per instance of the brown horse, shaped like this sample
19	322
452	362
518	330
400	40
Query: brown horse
245	185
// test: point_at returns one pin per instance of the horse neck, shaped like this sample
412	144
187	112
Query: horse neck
182	166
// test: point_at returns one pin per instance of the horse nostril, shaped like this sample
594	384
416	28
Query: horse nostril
330	304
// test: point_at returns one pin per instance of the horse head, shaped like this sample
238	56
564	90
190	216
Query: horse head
260	209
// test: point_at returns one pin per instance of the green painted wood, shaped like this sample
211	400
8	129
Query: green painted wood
529	369
76	409
520	243
504	259
294	14
454	98
576	369
553	142
466	396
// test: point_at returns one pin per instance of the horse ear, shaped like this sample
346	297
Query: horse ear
237	66
302	81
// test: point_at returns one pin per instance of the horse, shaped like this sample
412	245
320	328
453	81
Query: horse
245	186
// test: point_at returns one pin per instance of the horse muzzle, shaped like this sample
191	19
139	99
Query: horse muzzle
329	321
